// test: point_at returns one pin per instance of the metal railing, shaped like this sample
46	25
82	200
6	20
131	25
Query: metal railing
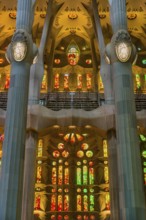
78	100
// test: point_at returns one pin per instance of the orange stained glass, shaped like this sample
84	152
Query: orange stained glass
60	175
91	175
54	175
44	82
89	80
79	203
39	174
84	146
72	138
53	202
106	174
60	146
79	137
66	137
7	82
66	176
40	148
66	81
59	207
85	203
56	81
66	203
101	87
79	81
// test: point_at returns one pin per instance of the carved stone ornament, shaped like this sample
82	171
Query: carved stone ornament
19	45
123	46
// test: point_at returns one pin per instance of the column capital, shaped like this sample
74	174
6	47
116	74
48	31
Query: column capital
21	48
121	48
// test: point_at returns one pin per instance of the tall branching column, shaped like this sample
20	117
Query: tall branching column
121	52
20	53
106	74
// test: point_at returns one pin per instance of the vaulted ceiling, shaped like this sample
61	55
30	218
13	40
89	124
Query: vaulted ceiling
73	22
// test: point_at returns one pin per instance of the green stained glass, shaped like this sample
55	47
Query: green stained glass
91	175
144	163
142	137
91	203
79	177
144	77
144	170
144	153
138	83
85	190
91	190
85	175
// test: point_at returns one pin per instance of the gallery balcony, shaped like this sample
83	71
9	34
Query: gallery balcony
78	100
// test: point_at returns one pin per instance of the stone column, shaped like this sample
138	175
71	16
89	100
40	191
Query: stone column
121	51
95	65
29	175
50	66
113	174
37	69
20	54
106	75
105	68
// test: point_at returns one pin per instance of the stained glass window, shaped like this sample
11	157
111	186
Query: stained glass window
40	148
89	80
138	81
56	81
73	53
105	153
85	177
72	189
66	81
79	81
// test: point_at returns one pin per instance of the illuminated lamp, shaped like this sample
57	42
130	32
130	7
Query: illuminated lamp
57	61
88	61
144	61
59	217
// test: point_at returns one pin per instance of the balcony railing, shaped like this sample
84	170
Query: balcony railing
78	100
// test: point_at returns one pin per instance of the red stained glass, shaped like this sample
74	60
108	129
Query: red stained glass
59	208
37	202
56	153
66	176
66	203
53	203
